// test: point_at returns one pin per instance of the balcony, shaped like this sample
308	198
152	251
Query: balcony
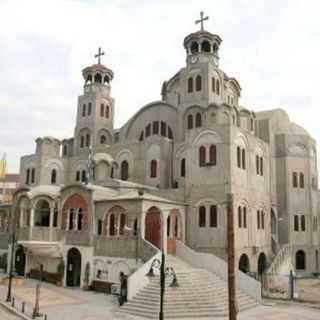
39	234
80	238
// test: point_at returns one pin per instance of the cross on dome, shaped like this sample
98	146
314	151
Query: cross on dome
201	20
99	55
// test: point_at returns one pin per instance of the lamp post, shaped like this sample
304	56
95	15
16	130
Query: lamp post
169	271
13	240
231	266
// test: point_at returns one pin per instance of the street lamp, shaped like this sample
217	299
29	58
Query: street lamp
169	271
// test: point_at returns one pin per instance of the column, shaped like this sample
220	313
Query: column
22	213
31	223
51	222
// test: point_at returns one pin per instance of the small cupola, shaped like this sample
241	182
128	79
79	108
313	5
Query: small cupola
97	74
202	45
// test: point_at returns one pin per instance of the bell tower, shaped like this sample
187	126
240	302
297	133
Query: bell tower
95	114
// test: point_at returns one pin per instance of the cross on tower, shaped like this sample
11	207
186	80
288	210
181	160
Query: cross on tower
202	19
99	55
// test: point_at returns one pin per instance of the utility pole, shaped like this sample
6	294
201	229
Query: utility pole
231	266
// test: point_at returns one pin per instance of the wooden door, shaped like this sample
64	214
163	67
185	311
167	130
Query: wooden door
153	228
172	232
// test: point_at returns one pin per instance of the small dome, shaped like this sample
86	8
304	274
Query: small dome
97	73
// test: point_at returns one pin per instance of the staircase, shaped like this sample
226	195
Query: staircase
200	294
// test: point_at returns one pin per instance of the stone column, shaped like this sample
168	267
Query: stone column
51	222
31	223
22	213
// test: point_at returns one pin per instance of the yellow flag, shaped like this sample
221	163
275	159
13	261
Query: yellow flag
3	166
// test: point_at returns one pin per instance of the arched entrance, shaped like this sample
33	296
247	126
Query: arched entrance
73	268
173	230
20	261
153	227
262	263
300	260
244	263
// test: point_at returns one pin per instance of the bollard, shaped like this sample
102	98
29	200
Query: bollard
12	302
291	286
23	306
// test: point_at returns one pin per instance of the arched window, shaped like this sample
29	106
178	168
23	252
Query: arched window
183	168
71	218
163	129
135	227
300	260
244	217
198	120
80	219
258	220
81	141
98	78
155	127
194	47
65	150
202	156
243	158
106	79
124	170
88	140
295	179
301	180
213	216
33	175
303	223
190	85
239	217
213	155
107	112
84	107
103	139
262	219
83	176
99	229
122	223
28	176
102	110
202	216
198	83
205	46
148	130
141	136
53	176
89	108
238	157
190	121
218	87
112	225
78	175
153	168
213	84
112	173
170	134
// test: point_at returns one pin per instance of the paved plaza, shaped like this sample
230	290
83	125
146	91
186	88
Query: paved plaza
68	304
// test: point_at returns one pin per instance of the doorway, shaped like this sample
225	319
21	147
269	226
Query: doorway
73	268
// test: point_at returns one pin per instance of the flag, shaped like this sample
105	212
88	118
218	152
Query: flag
3	167
90	167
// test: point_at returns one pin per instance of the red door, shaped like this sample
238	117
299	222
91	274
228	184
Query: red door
153	228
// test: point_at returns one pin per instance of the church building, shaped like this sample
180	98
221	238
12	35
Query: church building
106	199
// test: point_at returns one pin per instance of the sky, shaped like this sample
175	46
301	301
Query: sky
271	47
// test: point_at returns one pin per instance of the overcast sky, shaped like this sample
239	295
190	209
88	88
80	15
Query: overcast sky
272	47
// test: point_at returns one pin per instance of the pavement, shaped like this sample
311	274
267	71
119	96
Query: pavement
75	304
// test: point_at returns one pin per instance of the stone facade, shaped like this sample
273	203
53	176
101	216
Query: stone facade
178	157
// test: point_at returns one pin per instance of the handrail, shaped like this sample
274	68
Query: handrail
284	253
138	279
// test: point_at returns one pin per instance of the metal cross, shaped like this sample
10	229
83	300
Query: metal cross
99	55
202	19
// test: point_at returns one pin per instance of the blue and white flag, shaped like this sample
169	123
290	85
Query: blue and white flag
90	167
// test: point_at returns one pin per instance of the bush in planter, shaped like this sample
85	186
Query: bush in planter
60	271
